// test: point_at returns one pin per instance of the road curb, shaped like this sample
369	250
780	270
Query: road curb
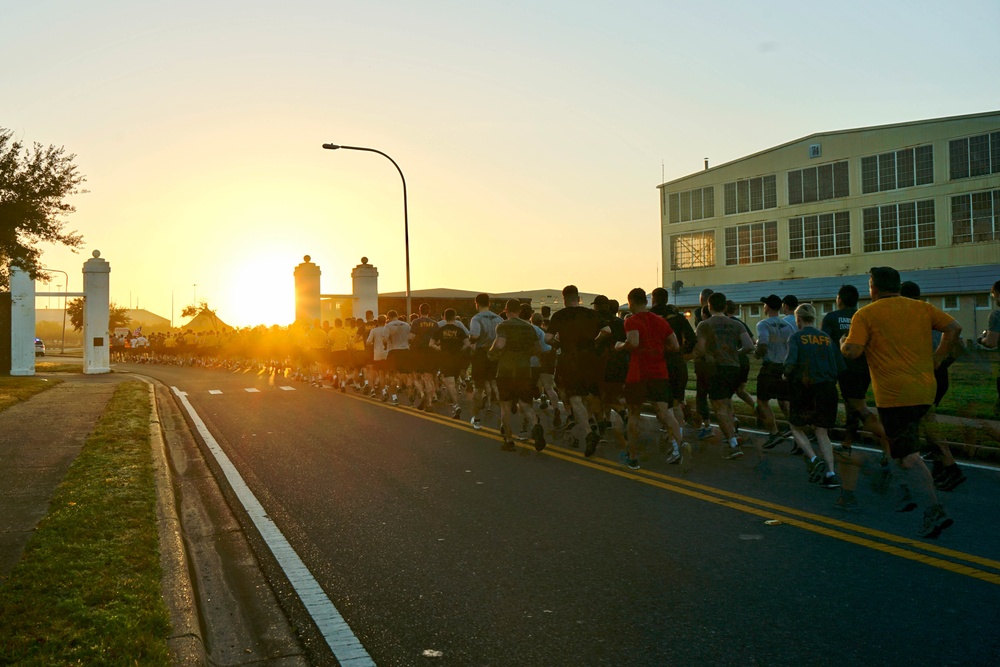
185	644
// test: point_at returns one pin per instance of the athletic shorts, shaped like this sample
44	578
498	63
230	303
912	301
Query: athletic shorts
652	391
424	360
611	392
579	375
452	365
854	385
724	382
902	428
744	369
398	361
677	369
770	383
483	370
813	405
548	360
340	358
516	389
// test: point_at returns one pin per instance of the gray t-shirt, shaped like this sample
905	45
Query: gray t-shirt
775	332
484	325
722	336
397	335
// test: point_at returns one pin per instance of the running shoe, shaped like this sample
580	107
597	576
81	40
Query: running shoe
628	462
950	478
816	468
935	521
476	423
593	439
731	453
846	503
705	433
831	481
796	450
538	433
773	441
508	446
456	412
675	456
785	432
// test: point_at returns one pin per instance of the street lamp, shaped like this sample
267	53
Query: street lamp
62	350
406	218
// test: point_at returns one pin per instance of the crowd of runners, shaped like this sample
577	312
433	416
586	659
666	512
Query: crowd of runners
586	373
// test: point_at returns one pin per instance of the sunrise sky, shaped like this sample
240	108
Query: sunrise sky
532	134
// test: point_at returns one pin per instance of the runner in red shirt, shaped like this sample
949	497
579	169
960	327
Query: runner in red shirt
648	335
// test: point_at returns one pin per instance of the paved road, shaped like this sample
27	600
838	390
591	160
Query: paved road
426	537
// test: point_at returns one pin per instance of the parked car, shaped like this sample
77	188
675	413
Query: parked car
39	347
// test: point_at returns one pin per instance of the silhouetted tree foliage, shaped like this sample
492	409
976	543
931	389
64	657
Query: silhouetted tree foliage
202	308
117	317
34	185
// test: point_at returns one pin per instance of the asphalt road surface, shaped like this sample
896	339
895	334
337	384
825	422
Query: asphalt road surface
438	548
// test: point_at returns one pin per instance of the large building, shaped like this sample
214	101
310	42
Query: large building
807	216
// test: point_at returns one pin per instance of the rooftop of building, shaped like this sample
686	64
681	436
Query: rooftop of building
818	135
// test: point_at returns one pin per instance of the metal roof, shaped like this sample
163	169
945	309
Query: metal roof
953	280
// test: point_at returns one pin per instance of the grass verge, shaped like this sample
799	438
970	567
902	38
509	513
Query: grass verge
87	590
57	367
16	389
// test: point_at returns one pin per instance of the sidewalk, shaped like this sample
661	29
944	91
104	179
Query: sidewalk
222	607
39	440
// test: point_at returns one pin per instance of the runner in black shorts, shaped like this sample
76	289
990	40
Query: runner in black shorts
451	341
677	369
515	343
579	370
812	367
482	332
722	340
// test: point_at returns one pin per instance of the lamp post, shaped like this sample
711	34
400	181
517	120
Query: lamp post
62	350
406	218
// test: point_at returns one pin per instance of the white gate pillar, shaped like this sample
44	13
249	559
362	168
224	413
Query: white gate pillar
96	318
22	323
364	279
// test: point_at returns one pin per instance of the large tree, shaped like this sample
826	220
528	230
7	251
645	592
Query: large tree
35	184
117	315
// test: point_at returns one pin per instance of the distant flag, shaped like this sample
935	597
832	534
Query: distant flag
138	331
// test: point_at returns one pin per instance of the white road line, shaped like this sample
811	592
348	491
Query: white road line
252	390
215	391
287	388
345	645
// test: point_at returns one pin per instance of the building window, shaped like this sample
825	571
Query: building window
694	204
822	235
752	244
982	302
975	156
975	217
754	311
752	194
950	303
899	226
897	169
692	251
827	181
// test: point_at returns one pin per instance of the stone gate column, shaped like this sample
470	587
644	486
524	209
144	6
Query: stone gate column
22	323
96	315
364	278
307	276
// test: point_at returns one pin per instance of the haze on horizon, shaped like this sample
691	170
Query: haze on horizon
532	134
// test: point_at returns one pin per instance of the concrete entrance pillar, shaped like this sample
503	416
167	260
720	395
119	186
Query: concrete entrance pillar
96	308
22	323
307	291
365	281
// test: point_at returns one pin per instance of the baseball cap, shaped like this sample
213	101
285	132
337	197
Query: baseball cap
600	300
772	301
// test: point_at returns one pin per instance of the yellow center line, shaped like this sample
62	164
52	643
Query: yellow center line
725	498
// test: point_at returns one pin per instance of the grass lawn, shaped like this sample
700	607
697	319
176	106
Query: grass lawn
87	590
16	389
56	367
